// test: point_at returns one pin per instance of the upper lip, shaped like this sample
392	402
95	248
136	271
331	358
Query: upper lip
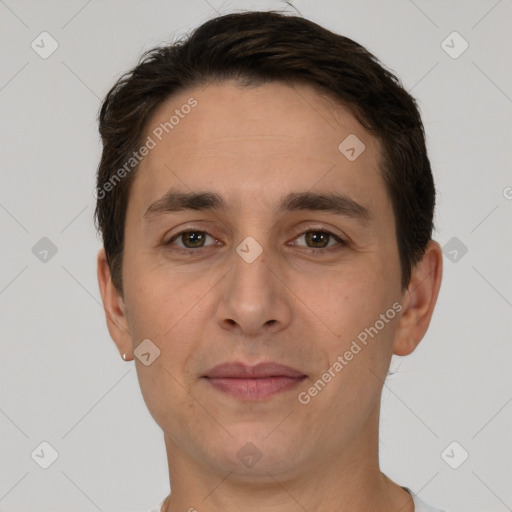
237	370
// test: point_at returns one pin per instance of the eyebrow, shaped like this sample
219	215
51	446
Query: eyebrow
339	204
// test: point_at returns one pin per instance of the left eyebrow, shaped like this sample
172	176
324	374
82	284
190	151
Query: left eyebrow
339	204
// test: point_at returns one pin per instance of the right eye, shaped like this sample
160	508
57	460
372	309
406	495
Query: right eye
190	240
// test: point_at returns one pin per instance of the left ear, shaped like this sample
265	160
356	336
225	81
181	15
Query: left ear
419	300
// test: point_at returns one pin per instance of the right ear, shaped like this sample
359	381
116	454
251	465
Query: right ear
114	307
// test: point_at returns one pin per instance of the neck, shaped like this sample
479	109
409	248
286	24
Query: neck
346	479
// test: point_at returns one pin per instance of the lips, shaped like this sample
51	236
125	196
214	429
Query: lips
237	370
253	382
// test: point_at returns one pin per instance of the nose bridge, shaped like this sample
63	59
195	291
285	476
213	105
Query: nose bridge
253	297
251	270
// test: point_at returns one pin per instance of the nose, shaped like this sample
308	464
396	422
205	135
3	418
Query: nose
254	299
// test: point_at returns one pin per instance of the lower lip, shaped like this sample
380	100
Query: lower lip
255	389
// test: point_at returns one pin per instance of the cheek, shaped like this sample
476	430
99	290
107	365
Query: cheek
346	301
358	342
168	312
159	298
349	306
167	398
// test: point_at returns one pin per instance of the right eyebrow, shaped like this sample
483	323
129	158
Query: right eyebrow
175	201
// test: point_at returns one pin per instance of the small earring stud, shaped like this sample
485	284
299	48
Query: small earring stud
124	357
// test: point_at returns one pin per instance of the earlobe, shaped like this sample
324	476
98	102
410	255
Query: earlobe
419	300
113	305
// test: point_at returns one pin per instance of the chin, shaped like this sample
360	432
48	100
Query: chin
256	452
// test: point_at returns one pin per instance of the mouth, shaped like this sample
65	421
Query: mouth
253	382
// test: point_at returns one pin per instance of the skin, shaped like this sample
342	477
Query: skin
252	146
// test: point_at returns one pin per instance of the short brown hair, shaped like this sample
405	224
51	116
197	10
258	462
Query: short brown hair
254	48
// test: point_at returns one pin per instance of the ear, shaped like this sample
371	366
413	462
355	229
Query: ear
419	300
114	307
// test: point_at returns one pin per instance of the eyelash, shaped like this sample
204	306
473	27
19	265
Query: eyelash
310	250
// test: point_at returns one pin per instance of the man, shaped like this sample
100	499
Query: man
266	201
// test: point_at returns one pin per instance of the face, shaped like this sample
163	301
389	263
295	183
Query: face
290	258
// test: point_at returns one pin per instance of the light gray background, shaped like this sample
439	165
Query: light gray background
61	378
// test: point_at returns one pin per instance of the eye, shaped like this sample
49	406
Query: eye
192	239
315	240
319	239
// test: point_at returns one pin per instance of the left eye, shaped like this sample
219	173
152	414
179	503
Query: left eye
318	239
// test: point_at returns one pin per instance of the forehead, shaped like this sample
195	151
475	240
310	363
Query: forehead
252	140
228	111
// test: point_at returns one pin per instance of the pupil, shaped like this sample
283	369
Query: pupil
317	237
194	238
